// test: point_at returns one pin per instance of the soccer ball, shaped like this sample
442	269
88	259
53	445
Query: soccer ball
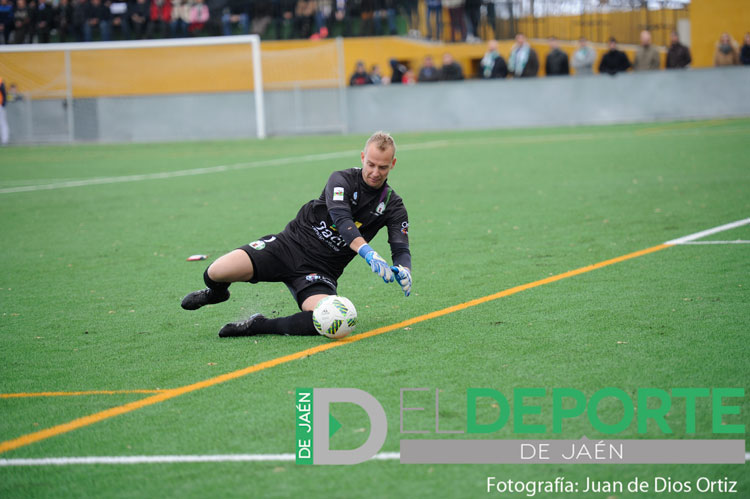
335	316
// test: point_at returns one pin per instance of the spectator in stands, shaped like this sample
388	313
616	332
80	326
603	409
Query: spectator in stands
678	55
360	76
434	10
428	72
139	16
340	17
398	71
180	18
283	17
727	52
21	22
473	15
745	51
492	64
557	60
78	17
119	17
376	75
457	17
410	10
43	17
6	20
236	13
451	70
408	78
63	19
304	18
614	61
385	10
584	58
215	10
489	5
159	16
199	16
523	62
323	12
646	57
261	12
97	18
366	15
13	94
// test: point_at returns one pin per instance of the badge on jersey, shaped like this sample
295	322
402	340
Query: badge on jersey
338	193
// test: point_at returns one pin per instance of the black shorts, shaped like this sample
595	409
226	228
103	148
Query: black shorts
276	258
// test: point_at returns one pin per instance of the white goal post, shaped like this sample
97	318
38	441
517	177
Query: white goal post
54	88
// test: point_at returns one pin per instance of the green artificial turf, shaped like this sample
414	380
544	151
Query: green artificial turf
93	276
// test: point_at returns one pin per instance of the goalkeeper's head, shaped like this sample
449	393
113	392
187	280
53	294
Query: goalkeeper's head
378	159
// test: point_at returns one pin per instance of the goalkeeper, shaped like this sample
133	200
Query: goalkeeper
312	251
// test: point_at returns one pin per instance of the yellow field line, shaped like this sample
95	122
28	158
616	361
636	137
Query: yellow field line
682	126
75	394
176	392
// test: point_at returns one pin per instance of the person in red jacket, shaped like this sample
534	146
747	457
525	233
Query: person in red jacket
360	76
160	14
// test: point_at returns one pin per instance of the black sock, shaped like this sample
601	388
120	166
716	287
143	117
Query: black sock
216	286
299	324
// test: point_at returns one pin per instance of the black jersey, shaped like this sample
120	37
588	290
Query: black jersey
346	195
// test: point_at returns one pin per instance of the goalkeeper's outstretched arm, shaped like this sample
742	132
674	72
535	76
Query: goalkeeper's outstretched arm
374	260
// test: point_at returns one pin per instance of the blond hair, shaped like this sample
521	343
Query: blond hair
382	140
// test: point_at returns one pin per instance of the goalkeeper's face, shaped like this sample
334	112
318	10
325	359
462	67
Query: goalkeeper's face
376	165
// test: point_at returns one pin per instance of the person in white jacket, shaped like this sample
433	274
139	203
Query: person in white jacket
584	58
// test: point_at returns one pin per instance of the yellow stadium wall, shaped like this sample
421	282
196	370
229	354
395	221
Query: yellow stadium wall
709	19
159	71
156	71
599	27
224	68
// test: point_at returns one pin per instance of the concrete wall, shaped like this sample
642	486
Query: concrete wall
586	100
178	117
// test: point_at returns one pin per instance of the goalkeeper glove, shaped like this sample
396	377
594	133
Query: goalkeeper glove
376	262
403	277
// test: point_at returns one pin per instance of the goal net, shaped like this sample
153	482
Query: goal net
175	89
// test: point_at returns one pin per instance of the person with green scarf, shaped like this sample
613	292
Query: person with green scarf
492	64
523	61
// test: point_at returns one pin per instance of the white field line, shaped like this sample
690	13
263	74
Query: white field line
206	170
30	181
523	139
708	232
178	173
736	241
211	458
